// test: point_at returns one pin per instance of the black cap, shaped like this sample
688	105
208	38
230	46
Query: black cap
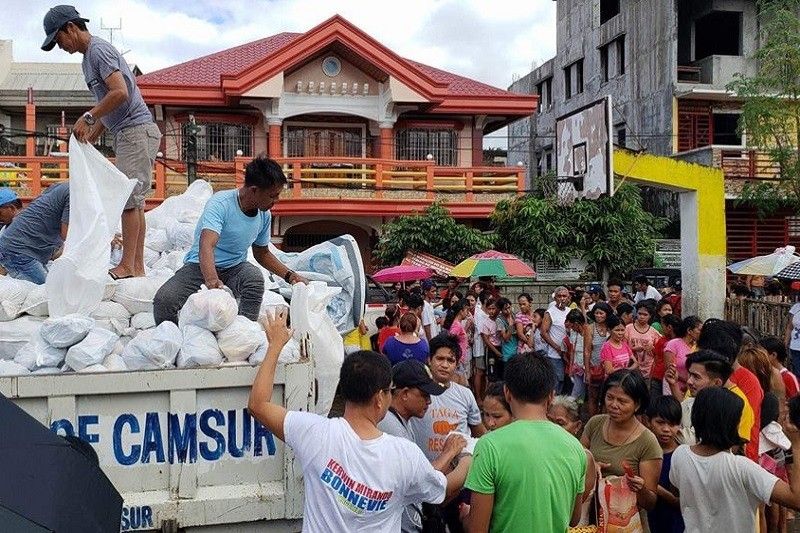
412	373
54	20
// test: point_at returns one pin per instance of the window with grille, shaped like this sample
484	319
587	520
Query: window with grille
416	144
793	227
545	92
219	141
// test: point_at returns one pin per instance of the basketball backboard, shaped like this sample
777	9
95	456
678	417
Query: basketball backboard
584	152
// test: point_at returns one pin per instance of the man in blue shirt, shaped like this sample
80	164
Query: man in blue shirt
121	110
10	205
231	223
35	234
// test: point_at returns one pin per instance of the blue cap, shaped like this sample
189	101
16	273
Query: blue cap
428	284
54	20
7	196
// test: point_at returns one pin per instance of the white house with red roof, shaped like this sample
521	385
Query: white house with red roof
364	134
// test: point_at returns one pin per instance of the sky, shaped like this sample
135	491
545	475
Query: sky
490	41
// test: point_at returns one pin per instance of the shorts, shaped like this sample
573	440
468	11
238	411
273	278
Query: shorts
479	363
136	148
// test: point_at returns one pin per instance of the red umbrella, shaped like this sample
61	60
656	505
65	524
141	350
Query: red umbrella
402	273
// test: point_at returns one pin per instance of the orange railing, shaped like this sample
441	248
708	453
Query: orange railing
309	177
748	164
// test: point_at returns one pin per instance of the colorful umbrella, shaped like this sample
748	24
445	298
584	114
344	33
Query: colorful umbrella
492	263
402	273
766	265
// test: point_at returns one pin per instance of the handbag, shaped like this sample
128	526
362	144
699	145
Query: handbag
617	510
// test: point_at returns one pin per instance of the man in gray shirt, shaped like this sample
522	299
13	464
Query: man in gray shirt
35	234
413	386
121	110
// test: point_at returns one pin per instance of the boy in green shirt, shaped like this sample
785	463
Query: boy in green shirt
528	475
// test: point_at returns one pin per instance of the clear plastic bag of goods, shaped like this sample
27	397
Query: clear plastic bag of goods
67	330
16	334
137	294
13	293
199	348
143	321
92	350
150	256
210	309
181	235
157	240
289	353
112	316
36	302
10	368
309	316
115	363
271	303
154	348
185	207
241	339
97	194
38	353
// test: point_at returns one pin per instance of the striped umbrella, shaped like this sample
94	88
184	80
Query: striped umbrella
766	265
492	263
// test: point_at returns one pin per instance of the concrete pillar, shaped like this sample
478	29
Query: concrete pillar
30	125
477	147
386	143
274	148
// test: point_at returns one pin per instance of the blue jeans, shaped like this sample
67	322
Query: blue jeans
23	267
795	362
558	368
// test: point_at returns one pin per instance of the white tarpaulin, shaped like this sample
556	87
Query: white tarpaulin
97	194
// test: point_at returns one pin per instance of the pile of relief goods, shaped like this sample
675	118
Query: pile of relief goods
120	334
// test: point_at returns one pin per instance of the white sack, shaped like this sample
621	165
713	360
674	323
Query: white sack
111	288
181	235
271	302
154	348
94	368
112	316
156	240
143	321
211	309
241	339
309	316
150	256
185	207
289	353
10	368
16	334
199	348
37	353
171	261
91	350
67	330
36	302
137	294
13	293
48	370
114	363
97	194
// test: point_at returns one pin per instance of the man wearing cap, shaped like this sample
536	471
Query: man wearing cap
35	234
121	110
10	206
411	397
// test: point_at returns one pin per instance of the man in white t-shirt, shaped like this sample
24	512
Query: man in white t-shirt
554	330
356	477
428	315
413	388
645	291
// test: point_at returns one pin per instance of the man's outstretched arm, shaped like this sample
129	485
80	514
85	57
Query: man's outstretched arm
271	415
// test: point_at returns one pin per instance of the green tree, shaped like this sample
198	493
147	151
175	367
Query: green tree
435	232
613	234
771	110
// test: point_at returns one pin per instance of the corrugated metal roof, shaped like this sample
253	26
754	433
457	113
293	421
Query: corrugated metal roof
44	77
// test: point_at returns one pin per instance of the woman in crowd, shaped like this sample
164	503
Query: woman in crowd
453	323
669	324
642	338
523	322
619	441
392	314
496	411
625	313
595	336
663	308
406	344
576	368
538	342
713	482
616	354
676	350
507	332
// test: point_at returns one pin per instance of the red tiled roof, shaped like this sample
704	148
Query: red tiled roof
207	71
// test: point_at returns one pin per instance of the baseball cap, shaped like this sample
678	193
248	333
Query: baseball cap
594	289
412	373
7	196
54	20
427	285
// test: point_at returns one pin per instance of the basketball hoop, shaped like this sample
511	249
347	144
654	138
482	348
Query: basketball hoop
568	189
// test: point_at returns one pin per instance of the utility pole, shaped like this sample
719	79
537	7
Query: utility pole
192	129
111	29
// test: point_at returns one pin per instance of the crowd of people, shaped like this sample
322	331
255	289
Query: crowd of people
599	409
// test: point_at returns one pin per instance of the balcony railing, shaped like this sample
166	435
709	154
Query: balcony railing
309	178
736	162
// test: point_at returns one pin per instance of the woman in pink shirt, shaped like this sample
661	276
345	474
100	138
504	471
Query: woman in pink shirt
452	323
642	338
676	350
616	353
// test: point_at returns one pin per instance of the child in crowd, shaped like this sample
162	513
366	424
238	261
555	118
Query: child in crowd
625	313
573	343
381	322
664	420
491	339
538	341
496	411
777	355
616	354
507	332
